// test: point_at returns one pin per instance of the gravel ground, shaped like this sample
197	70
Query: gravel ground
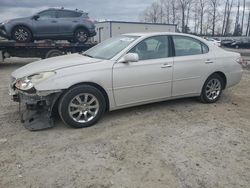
180	143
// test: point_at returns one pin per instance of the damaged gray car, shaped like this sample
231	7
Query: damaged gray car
123	71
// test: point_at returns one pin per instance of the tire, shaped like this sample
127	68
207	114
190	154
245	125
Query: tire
53	53
212	89
84	114
22	34
81	35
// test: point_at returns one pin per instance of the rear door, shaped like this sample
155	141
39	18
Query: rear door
67	21
192	63
46	24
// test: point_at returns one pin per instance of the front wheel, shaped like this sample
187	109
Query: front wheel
212	89
21	34
82	106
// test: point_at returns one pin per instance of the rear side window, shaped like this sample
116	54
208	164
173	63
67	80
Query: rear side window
47	14
68	14
185	46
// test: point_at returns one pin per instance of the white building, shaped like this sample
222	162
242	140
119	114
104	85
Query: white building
107	29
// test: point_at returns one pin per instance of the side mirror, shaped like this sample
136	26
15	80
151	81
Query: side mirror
35	17
130	57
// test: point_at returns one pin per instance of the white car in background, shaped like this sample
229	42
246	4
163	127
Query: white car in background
124	71
214	41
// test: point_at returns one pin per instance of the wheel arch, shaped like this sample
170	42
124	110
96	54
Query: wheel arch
81	27
22	25
97	86
223	77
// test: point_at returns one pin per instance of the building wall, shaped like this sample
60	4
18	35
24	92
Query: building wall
102	31
106	30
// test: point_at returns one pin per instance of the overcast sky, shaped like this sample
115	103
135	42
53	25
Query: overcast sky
128	10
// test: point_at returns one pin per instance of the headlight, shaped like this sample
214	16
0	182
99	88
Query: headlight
5	22
29	82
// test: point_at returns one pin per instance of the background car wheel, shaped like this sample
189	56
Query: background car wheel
82	106
53	53
212	89
81	35
22	34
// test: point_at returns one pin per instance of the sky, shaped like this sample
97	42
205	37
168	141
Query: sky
126	10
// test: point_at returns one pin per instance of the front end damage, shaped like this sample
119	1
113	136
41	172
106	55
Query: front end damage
36	109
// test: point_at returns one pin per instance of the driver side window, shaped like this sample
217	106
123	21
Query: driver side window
152	48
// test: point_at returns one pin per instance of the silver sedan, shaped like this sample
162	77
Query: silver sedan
124	71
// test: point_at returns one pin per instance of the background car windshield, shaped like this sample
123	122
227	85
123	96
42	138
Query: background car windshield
109	48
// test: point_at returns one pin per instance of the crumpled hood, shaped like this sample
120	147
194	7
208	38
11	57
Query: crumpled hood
53	64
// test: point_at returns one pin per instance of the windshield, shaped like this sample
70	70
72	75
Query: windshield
109	48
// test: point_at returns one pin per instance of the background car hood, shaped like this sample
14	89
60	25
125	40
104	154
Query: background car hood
19	19
52	64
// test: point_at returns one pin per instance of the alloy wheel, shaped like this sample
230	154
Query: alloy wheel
83	107
82	36
213	89
21	34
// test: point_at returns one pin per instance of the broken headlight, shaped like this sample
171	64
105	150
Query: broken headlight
28	82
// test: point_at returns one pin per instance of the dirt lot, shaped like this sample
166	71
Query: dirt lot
180	143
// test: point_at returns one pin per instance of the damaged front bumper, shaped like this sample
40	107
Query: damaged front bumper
36	110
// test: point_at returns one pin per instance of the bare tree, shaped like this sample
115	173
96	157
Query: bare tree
228	21
196	19
202	4
214	6
153	13
203	17
173	7
161	13
224	17
183	6
166	5
248	22
236	25
243	14
188	13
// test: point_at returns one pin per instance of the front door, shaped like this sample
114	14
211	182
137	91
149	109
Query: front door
46	24
148	79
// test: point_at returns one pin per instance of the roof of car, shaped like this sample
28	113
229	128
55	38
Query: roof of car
157	33
151	34
76	10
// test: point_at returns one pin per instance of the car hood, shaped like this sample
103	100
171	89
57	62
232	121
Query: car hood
53	64
19	19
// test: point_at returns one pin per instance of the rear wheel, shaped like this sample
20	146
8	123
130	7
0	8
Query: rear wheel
81	35
82	106
53	53
21	34
212	89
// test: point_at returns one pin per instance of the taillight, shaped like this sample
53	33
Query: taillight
241	62
89	21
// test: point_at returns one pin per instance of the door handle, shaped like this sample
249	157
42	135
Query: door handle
53	21
75	21
166	65
208	61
